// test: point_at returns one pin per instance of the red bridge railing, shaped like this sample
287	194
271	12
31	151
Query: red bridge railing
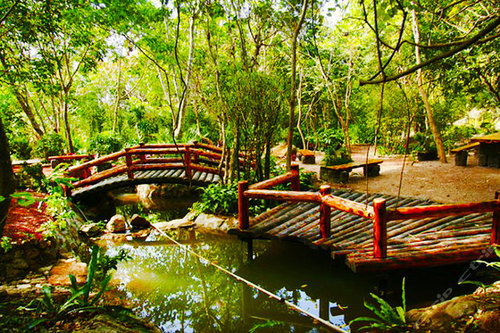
191	156
378	212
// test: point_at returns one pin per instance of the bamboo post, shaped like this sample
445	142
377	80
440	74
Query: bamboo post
128	160
295	182
187	161
324	212
379	229
495	230
243	205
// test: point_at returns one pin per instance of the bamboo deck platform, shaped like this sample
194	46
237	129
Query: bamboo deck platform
172	176
411	243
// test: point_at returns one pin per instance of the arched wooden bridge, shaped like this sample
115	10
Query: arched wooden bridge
192	164
372	232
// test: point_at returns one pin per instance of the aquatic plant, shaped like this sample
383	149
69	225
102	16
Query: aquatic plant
495	265
390	318
80	299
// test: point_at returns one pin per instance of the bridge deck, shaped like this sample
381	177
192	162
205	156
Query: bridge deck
177	176
411	243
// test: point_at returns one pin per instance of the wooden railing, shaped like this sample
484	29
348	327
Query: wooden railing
192	157
378	212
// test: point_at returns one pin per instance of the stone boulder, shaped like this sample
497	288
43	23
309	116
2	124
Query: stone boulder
215	222
138	222
90	230
116	224
479	312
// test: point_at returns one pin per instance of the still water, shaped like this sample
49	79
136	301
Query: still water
181	293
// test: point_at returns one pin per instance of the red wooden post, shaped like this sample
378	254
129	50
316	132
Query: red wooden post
243	218
128	160
495	230
324	212
187	161
142	156
379	229
295	183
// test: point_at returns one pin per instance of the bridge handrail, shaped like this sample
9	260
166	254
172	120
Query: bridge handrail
96	162
192	157
379	213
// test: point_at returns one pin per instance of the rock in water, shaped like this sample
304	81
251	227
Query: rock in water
138	223
91	230
116	224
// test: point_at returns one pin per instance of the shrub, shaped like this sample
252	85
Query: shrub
219	199
105	143
50	145
331	138
20	147
336	157
32	177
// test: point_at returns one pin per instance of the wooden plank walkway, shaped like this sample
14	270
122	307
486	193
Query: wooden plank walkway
410	243
172	176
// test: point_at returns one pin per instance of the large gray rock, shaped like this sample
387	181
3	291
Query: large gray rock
138	222
479	312
91	230
215	222
116	224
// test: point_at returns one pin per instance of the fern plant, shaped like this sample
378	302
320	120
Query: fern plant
81	299
391	319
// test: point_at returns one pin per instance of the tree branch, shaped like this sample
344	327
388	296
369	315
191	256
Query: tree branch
461	47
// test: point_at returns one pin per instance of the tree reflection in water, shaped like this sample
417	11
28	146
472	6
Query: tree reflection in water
180	293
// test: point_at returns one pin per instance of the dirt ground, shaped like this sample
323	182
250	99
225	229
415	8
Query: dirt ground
433	180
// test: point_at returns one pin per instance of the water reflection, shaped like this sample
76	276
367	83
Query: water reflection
180	293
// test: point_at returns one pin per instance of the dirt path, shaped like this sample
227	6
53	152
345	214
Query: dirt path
433	180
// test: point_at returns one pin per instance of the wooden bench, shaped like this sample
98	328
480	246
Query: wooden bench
307	156
340	173
461	153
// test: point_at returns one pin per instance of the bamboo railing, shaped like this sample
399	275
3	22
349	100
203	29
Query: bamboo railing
378	212
191	156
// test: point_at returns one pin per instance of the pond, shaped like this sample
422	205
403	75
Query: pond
181	293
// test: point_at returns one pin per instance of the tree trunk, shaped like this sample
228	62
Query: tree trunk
423	94
299	118
6	177
293	92
67	128
118	96
185	98
21	98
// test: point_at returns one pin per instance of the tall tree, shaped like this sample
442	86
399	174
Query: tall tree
296	26
423	93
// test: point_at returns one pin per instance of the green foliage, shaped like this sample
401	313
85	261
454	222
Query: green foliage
336	157
495	265
307	180
82	298
24	199
6	244
31	177
105	143
422	142
330	139
388	319
219	199
454	136
106	263
58	205
270	324
49	145
20	147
